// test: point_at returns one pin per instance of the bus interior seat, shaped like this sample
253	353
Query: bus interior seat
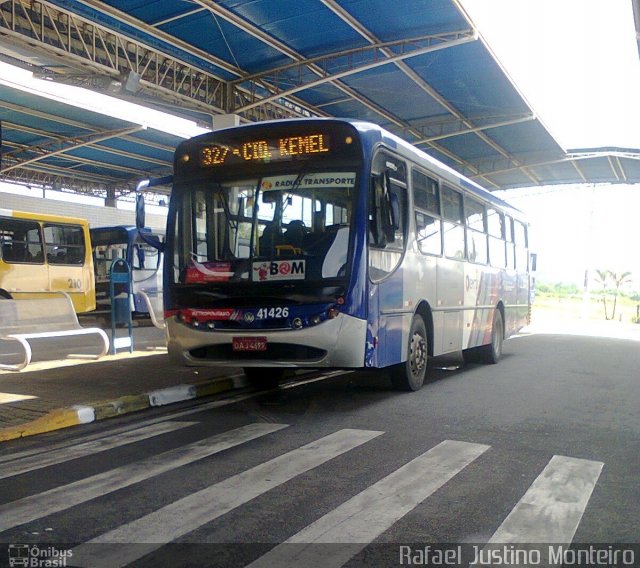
295	234
7	252
271	236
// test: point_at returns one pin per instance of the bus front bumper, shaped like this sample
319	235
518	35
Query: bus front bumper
335	343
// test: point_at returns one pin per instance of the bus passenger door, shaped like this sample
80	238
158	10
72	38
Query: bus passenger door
450	283
389	317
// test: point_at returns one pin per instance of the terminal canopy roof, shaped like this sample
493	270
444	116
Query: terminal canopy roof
415	67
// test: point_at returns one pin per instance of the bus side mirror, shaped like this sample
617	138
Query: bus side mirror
140	216
534	261
389	206
395	212
385	219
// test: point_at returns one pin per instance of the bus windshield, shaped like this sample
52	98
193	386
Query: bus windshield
286	227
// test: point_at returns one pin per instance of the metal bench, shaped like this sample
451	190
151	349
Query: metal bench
33	322
155	308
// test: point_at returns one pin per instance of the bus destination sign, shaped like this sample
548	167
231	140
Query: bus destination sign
265	150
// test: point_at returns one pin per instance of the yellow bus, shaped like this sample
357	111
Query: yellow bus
41	254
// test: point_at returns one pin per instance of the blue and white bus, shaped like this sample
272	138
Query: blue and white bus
326	243
144	259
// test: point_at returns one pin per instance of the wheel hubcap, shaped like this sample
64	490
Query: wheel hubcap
418	358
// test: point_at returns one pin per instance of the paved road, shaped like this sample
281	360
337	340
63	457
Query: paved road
541	448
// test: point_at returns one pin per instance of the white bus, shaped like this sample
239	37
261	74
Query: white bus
325	243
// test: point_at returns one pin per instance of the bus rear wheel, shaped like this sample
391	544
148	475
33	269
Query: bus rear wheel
492	352
410	375
263	377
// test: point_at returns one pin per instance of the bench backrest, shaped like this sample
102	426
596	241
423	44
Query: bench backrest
37	315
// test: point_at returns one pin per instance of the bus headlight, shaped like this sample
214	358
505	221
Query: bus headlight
333	313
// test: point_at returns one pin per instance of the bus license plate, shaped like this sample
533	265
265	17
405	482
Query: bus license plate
249	343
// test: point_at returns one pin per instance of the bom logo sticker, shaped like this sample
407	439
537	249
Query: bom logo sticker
279	270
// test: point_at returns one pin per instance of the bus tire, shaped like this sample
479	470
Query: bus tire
4	295
263	377
492	353
410	375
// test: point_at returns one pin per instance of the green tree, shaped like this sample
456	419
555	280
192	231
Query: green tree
602	278
619	279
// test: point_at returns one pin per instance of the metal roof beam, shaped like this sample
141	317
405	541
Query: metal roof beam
177	17
371	38
47	29
573	159
38	132
153	31
274	43
44	152
434	43
80	125
76	162
283	48
476	129
580	172
215	85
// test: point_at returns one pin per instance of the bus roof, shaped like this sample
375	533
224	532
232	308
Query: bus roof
42	217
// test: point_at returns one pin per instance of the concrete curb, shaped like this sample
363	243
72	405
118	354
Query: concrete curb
85	414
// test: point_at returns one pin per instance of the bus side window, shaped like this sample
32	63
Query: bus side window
520	239
65	244
475	219
426	198
511	252
495	226
453	227
20	241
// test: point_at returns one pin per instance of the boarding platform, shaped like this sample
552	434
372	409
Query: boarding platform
53	394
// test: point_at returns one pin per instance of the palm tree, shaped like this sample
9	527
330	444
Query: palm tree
618	281
602	278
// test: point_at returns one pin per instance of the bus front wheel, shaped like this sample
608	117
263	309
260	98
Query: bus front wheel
410	375
263	377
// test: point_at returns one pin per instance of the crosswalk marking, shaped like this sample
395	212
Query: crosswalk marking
552	507
189	513
367	515
31	463
66	496
549	512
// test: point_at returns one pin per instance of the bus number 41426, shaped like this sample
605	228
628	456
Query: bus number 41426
264	313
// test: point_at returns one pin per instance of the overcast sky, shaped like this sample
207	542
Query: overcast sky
575	61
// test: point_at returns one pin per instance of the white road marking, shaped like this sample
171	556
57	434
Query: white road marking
364	517
185	515
24	465
551	509
66	496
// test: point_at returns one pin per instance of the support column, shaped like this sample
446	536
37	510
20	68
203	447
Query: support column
110	199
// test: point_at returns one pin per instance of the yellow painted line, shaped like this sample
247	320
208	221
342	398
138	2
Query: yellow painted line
123	405
54	420
65	417
213	387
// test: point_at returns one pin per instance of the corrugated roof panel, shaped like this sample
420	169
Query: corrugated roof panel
390	88
390	19
305	25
